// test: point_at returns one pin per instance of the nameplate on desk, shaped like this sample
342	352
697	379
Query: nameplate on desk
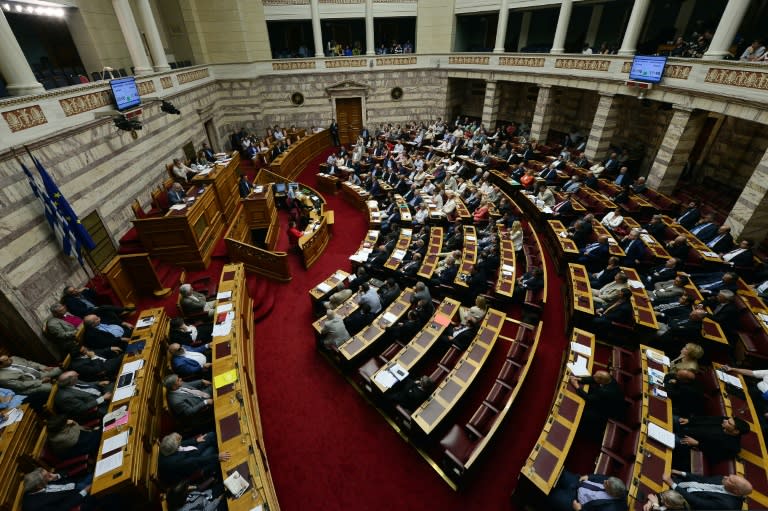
223	349
230	427
226	389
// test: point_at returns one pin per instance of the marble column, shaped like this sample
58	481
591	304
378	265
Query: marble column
491	104
603	127
370	39
675	150
153	36
558	44
501	27
20	80
749	216
594	24
730	21
317	31
542	115
525	26
634	27
132	37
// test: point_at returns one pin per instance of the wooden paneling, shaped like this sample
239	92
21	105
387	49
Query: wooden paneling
349	115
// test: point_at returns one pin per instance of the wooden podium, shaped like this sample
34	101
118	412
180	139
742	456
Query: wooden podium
223	179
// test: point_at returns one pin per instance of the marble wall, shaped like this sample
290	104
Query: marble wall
735	152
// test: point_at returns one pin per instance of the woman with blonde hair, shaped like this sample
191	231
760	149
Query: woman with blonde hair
669	499
516	235
476	312
688	359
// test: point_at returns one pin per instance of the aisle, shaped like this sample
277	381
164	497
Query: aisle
329	449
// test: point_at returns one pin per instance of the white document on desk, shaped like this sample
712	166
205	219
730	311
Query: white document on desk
108	464
728	378
398	371
225	327
579	366
323	287
635	284
389	318
124	393
177	207
657	357
144	322
661	435
15	415
132	367
224	295
581	349
224	307
115	442
385	379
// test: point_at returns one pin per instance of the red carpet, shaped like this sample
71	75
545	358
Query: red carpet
328	448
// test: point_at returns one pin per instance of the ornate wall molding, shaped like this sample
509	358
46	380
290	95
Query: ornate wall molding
395	61
626	66
166	82
147	87
285	2
348	62
290	66
522	61
737	78
191	76
469	59
583	64
678	72
341	1
24	118
85	102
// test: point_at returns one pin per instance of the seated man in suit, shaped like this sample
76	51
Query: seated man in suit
718	438
710	284
594	255
99	335
564	208
634	248
180	459
722	241
193	302
359	319
27	377
532	280
389	292
96	366
705	229
189	401
334	331
656	227
690	215
678	248
366	294
669	291
620	311
412	267
739	256
189	335
607	274
715	493
610	292
605	400
588	492
76	399
188	361
666	312
662	273
49	491
724	310
61	327
176	194
82	301
460	336
688	328
447	274
68	439
410	393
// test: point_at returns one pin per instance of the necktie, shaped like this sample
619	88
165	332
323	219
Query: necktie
194	392
87	389
692	486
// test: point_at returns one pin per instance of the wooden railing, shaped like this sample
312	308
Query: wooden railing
273	265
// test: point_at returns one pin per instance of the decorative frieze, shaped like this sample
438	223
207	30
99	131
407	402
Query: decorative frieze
293	65
395	61
469	59
738	78
85	102
166	82
24	118
285	2
583	64
626	67
341	1
522	61
346	63
678	72
145	88
191	76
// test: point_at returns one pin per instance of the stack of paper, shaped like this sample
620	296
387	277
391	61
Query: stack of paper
389	318
123	393
579	366
224	307
115	442
323	287
655	377
108	464
145	322
659	358
635	284
581	349
728	378
385	379
132	367
224	295
661	435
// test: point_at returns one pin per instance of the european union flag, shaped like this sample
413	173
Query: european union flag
60	216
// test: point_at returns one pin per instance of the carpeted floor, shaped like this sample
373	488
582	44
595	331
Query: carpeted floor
327	447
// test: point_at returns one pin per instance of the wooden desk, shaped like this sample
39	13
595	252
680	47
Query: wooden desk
132	478
468	256
614	248
290	163
641	303
444	398
184	237
316	238
546	460
327	183
561	246
357	345
462	213
505	183
374	215
710	329
413	352
704	251
324	289
224	180
594	201
355	195
505	280
401	247
429	263
581	290
16	440
349	306
655	248
402	206
235	405
366	246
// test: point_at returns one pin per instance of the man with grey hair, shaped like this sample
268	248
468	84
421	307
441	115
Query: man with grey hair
77	399
334	331
193	302
61	328
190	401
48	491
27	377
595	491
179	458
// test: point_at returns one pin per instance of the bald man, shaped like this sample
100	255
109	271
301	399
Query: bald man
710	493
605	400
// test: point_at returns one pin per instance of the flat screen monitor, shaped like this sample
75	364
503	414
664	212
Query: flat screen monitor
280	188
647	68
125	92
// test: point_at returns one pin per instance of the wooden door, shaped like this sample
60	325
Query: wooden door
349	115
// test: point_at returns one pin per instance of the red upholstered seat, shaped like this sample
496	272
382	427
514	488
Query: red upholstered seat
450	357
517	352
497	397
390	352
368	369
458	446
481	421
439	373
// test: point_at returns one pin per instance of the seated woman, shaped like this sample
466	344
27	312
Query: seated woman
68	439
688	359
476	312
613	219
482	212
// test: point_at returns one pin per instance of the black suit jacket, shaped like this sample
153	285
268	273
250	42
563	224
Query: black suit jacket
55	501
713	442
705	500
182	464
97	339
463	339
689	217
603	402
621	313
724	244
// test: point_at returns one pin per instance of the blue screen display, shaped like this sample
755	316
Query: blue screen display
125	92
647	68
